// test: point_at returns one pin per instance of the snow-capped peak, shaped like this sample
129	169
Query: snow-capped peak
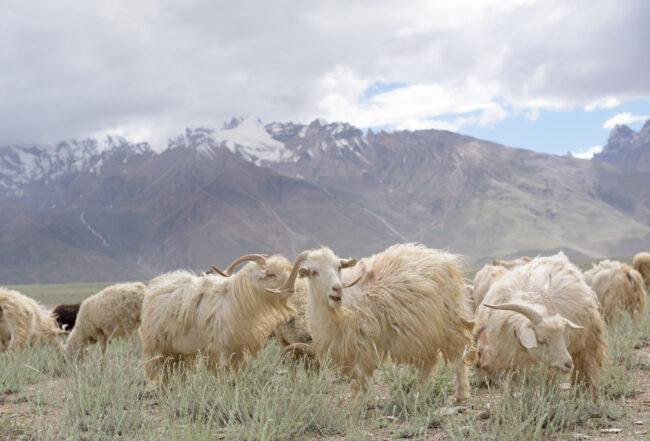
250	139
20	164
245	137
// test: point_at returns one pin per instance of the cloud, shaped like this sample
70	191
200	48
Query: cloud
603	103
426	124
587	153
532	114
157	66
622	119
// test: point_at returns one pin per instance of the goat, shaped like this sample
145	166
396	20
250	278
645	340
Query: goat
406	302
24	321
222	318
542	310
111	313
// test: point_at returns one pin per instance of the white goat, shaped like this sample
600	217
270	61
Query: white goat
470	307
407	303
542	311
619	288
24	321
642	265
484	279
221	318
111	313
489	274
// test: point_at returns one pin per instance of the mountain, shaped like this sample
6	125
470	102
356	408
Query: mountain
628	149
111	210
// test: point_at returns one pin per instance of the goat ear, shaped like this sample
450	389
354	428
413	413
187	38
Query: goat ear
573	325
347	263
527	337
304	272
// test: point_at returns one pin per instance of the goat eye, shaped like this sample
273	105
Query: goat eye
314	273
271	276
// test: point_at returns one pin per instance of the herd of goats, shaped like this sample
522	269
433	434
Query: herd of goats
407	304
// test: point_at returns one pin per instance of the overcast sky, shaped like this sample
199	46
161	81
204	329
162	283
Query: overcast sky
547	75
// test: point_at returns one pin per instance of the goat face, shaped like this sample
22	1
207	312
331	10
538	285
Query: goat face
543	336
322	268
547	341
273	274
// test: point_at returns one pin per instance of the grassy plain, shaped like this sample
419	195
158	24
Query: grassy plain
51	295
42	397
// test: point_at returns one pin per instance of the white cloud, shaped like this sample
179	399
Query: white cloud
425	124
70	68
623	118
492	116
602	103
532	114
136	132
587	153
431	123
400	107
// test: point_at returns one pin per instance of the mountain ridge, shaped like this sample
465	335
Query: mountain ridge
208	198
628	149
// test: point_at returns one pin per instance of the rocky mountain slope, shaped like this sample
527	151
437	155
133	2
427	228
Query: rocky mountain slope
110	210
628	149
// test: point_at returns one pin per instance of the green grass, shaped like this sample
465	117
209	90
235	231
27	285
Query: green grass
110	399
63	293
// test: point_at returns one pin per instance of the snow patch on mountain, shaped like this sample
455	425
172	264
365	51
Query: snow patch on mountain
92	230
248	138
22	164
252	141
587	153
263	145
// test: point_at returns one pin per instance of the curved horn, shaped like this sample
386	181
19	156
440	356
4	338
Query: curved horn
258	258
217	270
353	283
546	297
525	310
288	285
302	348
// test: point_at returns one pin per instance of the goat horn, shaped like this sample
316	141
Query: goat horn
525	310
216	270
353	283
258	258
546	297
303	348
288	285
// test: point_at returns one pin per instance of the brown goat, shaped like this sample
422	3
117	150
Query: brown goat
66	316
